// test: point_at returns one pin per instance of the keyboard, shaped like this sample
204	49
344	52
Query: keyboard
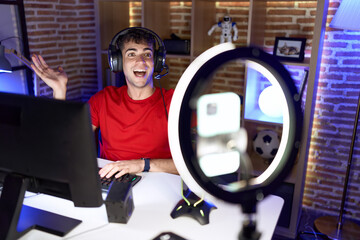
127	178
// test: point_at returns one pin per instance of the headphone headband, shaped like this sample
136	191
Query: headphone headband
115	56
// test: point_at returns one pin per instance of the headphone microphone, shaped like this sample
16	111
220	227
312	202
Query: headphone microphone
158	76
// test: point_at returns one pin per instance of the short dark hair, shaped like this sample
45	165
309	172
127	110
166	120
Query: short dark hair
138	36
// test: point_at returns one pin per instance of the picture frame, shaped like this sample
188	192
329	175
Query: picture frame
289	49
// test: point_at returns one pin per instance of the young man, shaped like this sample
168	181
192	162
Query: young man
132	118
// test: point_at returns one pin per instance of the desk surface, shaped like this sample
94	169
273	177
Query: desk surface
155	196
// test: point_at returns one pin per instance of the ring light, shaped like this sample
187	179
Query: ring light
196	78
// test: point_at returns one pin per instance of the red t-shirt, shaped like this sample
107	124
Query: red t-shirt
131	129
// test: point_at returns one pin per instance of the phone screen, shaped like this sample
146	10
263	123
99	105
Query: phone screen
218	114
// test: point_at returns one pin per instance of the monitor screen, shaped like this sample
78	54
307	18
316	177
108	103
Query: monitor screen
50	145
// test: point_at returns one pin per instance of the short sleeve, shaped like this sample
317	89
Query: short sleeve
94	104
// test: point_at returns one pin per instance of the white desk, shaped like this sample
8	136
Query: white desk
155	196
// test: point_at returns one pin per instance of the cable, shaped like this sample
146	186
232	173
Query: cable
163	98
200	200
182	194
87	231
307	225
33	195
4	39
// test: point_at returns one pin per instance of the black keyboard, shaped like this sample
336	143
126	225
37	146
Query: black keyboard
127	178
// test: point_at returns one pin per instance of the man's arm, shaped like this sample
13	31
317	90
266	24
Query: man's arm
137	166
162	165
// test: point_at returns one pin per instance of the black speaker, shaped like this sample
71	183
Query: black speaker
177	46
119	202
115	56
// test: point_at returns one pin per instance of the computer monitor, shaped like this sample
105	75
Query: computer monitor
46	146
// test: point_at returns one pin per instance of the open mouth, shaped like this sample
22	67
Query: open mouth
139	73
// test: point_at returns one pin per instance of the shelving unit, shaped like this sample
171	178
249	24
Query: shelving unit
295	181
158	15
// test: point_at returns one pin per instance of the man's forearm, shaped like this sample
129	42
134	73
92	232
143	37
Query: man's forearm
163	165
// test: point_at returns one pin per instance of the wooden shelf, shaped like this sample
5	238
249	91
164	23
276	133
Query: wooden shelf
305	63
184	56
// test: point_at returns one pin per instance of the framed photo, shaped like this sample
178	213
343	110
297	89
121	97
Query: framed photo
290	49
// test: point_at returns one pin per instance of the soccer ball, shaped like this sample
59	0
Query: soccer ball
266	143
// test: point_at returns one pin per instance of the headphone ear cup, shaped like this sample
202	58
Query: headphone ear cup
159	59
115	61
119	61
111	56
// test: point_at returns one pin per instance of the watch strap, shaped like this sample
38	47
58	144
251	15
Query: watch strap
147	164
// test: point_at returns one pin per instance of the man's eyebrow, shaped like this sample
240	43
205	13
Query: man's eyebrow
134	49
131	49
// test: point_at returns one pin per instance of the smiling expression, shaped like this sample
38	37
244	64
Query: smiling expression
138	64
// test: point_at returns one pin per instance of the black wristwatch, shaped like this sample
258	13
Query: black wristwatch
147	164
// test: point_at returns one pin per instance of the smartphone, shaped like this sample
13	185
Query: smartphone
218	113
218	118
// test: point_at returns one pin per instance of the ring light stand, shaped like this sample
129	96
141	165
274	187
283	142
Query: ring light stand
245	192
193	206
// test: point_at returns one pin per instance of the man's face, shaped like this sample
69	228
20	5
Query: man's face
138	63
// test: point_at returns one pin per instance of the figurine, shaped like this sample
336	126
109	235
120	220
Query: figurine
226	27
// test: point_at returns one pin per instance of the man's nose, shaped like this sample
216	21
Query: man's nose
141	58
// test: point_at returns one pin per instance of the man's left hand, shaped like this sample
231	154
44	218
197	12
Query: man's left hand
120	168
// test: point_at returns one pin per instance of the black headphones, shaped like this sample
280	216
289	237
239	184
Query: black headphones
115	56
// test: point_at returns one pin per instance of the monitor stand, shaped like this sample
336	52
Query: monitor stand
17	219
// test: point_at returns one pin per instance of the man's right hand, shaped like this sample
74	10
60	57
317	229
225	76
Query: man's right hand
55	79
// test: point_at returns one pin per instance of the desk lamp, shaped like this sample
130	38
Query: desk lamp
249	191
346	17
5	64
